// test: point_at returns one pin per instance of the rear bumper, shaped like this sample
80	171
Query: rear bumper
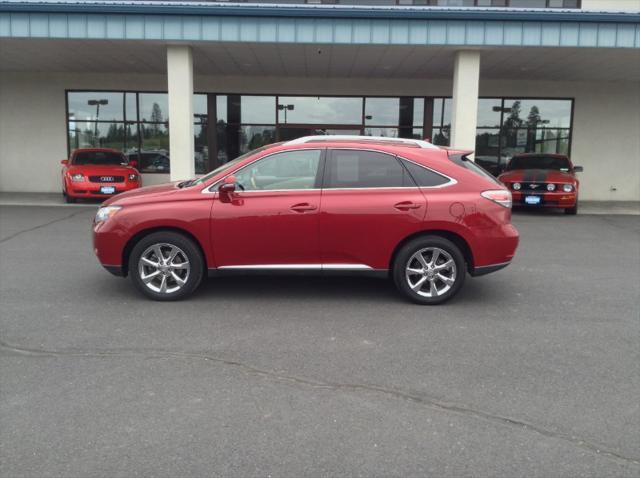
547	199
483	270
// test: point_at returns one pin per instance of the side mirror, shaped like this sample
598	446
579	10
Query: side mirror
64	161
578	169
133	163
228	186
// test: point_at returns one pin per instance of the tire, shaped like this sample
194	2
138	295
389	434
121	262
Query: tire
572	211
408	259
69	199
148	273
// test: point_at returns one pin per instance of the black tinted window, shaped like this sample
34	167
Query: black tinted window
364	169
539	162
423	176
98	157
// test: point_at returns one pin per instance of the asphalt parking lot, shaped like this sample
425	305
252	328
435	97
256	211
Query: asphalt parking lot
532	371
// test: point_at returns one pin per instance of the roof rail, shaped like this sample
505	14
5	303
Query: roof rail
364	139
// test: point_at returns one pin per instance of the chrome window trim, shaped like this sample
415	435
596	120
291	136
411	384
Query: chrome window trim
451	182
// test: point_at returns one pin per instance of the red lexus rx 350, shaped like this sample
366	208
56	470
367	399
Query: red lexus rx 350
406	209
96	173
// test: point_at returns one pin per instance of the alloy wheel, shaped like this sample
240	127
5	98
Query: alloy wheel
431	272
164	268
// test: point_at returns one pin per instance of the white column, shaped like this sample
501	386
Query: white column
180	88
464	114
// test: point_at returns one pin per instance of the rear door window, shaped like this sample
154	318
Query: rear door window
354	169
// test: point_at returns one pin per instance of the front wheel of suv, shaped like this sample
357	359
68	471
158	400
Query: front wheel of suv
166	266
429	270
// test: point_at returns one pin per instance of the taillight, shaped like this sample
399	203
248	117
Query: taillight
499	196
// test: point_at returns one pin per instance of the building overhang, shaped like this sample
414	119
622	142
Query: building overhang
318	24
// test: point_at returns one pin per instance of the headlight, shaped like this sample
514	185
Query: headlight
133	177
551	187
106	212
517	186
567	188
77	178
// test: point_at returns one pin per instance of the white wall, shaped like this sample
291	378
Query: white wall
33	135
610	5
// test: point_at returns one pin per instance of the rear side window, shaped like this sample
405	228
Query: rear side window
349	168
462	161
424	177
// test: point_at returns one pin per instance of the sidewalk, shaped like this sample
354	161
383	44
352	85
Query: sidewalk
56	200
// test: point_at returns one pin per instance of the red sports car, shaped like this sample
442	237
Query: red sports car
330	204
96	173
543	180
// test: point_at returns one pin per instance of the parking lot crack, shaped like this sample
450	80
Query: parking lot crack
411	396
39	226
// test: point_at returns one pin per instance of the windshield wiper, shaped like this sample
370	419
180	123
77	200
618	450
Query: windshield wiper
186	184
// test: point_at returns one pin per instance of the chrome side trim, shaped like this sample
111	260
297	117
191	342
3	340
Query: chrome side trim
293	267
299	267
346	267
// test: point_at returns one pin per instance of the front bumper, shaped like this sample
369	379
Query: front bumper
547	199
93	190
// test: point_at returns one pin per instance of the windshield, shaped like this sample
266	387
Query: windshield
539	162
230	164
99	158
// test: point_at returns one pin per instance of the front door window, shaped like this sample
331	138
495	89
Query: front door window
286	170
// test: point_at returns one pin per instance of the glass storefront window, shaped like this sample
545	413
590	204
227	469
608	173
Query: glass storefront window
95	106
252	137
131	106
154	107
244	122
221	108
319	110
382	111
90	134
418	111
384	132
258	109
487	152
489	111
201	153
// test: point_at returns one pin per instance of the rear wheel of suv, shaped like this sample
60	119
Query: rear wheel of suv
429	270
166	265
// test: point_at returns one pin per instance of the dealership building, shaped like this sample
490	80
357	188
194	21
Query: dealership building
183	86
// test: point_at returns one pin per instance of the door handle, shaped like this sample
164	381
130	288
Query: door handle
406	206
303	206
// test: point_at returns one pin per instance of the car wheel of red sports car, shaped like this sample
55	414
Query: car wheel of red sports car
69	199
166	266
429	270
572	210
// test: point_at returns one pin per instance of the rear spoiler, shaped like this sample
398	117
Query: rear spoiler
462	154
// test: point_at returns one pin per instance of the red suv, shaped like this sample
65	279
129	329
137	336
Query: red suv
330	204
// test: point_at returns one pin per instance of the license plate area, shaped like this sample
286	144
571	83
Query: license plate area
107	189
532	200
